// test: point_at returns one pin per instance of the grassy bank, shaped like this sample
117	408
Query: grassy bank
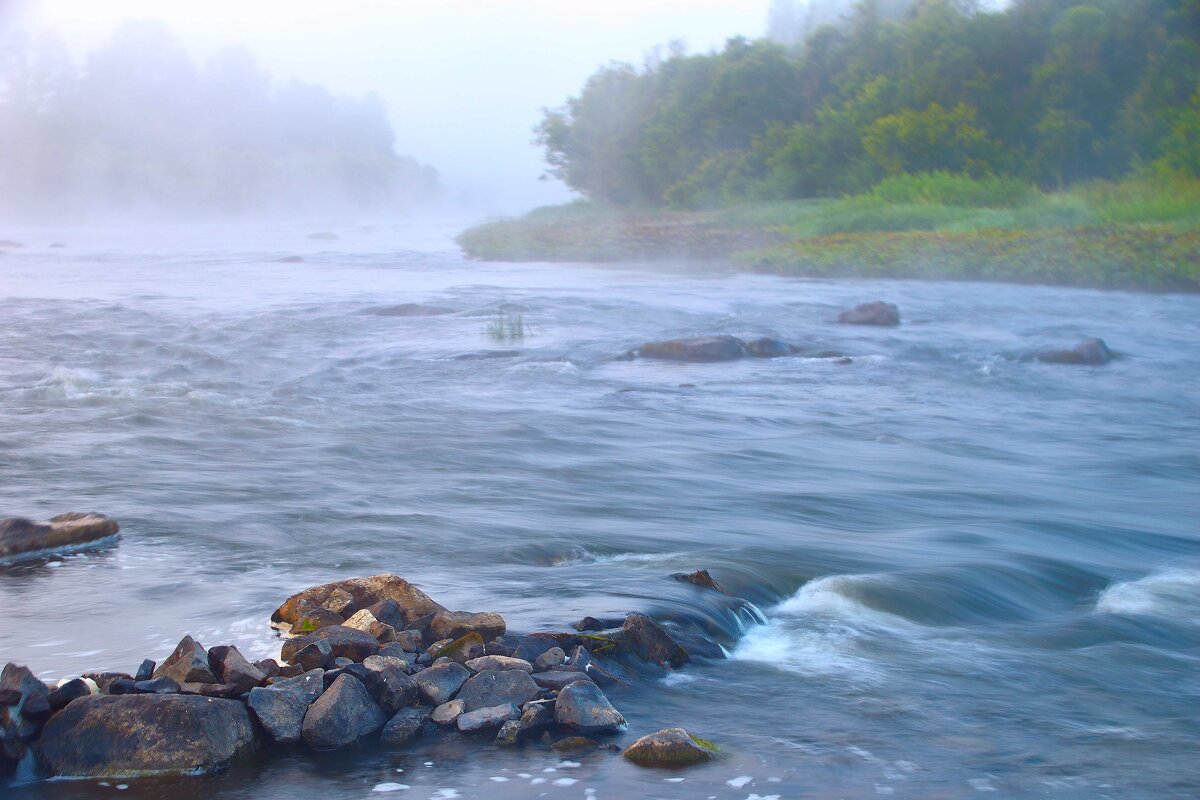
1140	234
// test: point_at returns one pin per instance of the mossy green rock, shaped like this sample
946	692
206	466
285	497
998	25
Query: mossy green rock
671	747
458	651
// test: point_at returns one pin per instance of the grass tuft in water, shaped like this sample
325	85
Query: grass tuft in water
507	326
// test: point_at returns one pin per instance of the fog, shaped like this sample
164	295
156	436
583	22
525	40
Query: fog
461	84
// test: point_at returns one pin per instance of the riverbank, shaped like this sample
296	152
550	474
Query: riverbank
1133	235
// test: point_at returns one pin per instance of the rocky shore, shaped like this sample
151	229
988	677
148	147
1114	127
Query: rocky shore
364	658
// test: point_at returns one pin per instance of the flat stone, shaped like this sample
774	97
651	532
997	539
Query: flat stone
498	663
342	715
448	713
453	624
19	535
187	664
584	707
405	726
671	747
438	684
144	734
703	349
353	644
498	687
489	718
347	596
557	680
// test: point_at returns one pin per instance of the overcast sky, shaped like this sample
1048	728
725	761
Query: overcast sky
464	81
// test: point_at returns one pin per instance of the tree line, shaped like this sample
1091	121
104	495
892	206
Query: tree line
139	127
1052	92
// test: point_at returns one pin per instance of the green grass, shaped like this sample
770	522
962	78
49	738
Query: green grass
507	326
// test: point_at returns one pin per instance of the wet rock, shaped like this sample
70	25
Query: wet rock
346	597
557	680
551	658
460	650
344	642
575	744
498	663
672	747
438	684
536	716
704	349
32	705
314	618
877	313
405	726
67	691
230	666
146	671
280	707
497	688
160	685
410	310
509	733
592	624
488	718
389	684
584	707
644	638
144	734
604	672
448	713
453	624
342	715
187	664
411	641
768	348
698	578
1090	352
19	535
313	655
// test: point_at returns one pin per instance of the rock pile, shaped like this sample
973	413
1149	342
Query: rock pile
370	657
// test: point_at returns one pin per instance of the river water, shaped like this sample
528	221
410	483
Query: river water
977	574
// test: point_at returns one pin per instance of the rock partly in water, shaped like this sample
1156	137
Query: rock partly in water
453	624
280	707
487	719
768	348
20	536
877	313
672	747
644	638
438	684
1090	352
704	349
144	734
498	687
348	596
698	578
187	664
509	733
584	707
405	726
344	642
27	701
342	715
410	310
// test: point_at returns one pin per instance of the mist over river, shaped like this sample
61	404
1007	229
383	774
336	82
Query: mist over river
971	573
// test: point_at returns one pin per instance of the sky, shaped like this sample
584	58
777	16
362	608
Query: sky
464	82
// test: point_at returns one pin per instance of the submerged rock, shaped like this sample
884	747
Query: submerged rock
348	596
19	535
698	578
584	707
876	313
704	349
410	310
289	260
1091	352
342	715
671	747
144	734
769	348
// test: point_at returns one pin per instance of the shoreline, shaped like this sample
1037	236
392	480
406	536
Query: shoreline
1131	257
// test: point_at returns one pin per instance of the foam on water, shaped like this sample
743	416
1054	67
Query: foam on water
1173	593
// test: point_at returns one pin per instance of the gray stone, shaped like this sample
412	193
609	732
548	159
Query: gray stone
187	664
144	734
73	689
396	651
342	715
33	706
584	707
438	684
314	655
495	688
536	716
410	641
768	348
280	707
556	680
389	684
405	726
353	644
645	639
489	718
551	658
160	685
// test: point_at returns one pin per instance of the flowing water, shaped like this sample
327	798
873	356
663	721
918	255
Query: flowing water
975	573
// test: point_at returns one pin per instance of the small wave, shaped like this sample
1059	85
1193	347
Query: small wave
1173	593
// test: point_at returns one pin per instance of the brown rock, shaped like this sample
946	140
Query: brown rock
672	747
19	535
453	624
347	596
188	664
344	642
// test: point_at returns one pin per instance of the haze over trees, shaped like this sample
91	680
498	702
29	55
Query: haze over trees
1051	92
140	128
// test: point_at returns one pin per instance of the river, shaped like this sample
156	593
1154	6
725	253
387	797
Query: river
976	573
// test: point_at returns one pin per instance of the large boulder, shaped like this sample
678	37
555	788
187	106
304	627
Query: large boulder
280	707
187	664
453	624
672	747
344	642
584	707
144	734
497	688
19	535
703	349
645	639
348	596
341	716
877	313
438	684
1090	352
